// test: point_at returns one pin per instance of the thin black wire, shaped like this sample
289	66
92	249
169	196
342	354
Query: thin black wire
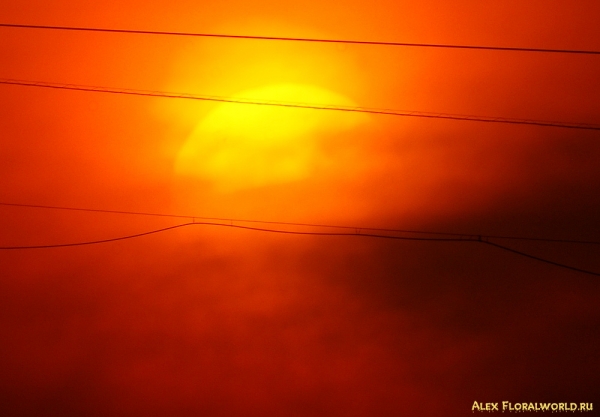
527	255
461	236
221	99
236	226
290	232
292	39
94	242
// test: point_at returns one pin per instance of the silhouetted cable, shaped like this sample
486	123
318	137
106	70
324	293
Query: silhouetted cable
460	236
93	242
235	226
139	213
221	99
292	232
537	258
293	39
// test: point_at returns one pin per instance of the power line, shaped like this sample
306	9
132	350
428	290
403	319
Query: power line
93	242
237	226
459	236
291	232
292	39
537	258
223	99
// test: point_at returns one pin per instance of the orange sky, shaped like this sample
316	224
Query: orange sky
225	322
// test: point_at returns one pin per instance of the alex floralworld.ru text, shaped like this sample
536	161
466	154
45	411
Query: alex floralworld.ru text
519	407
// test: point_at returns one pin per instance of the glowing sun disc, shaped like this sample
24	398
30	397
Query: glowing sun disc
239	146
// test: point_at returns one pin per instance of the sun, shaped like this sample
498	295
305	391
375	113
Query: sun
240	146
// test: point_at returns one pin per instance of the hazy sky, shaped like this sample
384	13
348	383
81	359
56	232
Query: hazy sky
214	321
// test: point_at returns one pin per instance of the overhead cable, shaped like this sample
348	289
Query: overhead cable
461	236
292	232
297	39
224	99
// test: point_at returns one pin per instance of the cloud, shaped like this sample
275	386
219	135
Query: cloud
224	322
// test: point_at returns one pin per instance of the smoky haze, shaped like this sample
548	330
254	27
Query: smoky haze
217	321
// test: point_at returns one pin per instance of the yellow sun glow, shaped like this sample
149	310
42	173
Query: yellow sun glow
238	146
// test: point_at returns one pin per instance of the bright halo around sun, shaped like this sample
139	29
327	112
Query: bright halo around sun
241	146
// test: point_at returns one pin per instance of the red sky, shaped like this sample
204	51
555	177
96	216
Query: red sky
225	322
